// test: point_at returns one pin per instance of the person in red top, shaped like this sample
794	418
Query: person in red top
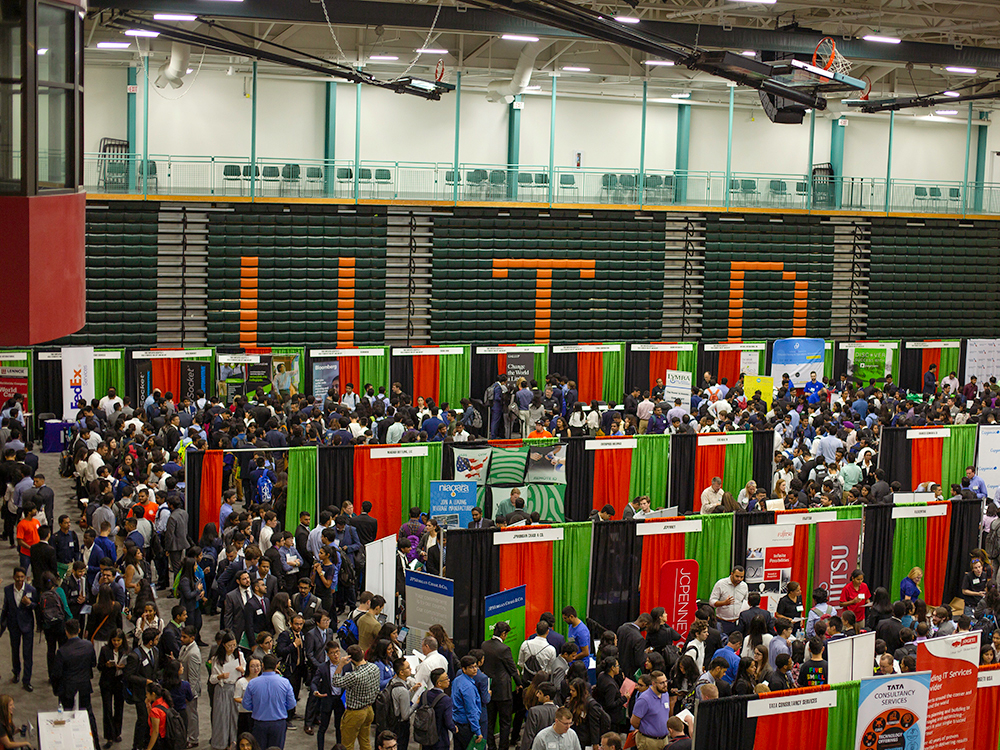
855	596
150	508
157	703
539	431
27	533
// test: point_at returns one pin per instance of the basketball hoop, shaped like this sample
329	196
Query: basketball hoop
827	57
868	88
439	70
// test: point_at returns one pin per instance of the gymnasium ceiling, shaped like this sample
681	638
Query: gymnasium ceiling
934	33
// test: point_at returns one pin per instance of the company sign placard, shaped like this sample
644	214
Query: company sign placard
77	379
953	662
892	712
452	503
837	546
679	588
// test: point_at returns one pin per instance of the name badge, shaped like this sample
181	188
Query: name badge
145	662
72	544
861	597
798	608
975	581
260	612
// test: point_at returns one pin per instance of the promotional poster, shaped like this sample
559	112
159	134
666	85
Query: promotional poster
798	357
953	663
892	712
769	562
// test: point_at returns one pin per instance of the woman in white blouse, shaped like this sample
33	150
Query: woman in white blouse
228	666
254	667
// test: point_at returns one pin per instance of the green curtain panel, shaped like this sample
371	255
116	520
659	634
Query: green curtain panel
828	360
811	574
909	549
29	363
375	370
739	465
850	512
571	571
895	358
688	362
958	451
650	462
109	373
949	360
614	374
418	473
293	351
455	376
761	358
843	718
301	484
710	549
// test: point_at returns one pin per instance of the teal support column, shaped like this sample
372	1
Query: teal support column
330	140
809	163
552	143
513	145
729	143
458	124
888	163
837	162
145	124
683	153
642	147
130	114
968	146
357	141
981	162
253	135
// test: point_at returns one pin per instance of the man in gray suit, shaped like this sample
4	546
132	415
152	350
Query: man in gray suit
175	535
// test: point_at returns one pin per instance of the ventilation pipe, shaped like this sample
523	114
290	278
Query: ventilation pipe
506	90
172	72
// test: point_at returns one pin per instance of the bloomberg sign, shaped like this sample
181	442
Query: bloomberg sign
679	590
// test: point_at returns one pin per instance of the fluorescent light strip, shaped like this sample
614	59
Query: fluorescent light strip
174	17
43	50
627	19
575	69
952	94
662	63
957	69
748	53
142	32
519	38
385	58
946	112
881	39
759	2
113	45
431	51
532	88
680	96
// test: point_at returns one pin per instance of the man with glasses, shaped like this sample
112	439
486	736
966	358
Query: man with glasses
650	715
560	736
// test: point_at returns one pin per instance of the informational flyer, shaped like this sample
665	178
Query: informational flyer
953	663
892	712
769	562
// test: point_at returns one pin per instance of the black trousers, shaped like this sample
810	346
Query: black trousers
323	717
113	701
502	710
140	737
82	697
54	637
296	678
463	736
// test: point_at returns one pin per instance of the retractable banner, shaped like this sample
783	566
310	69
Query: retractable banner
769	562
988	458
892	712
679	585
13	380
143	380
194	377
798	357
77	379
837	545
452	503
953	662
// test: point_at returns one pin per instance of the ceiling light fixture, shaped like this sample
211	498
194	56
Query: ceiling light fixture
952	94
748	53
384	58
142	32
662	63
685	95
575	69
946	112
431	51
43	50
881	39
519	38
189	71
759	2
957	69
113	45
174	17
627	19
533	88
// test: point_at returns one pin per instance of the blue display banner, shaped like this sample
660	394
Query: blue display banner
797	357
506	600
452	503
427	582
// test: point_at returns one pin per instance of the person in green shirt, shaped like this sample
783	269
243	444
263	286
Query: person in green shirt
850	473
506	507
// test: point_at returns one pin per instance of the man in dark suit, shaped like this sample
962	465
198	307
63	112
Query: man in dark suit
140	670
500	668
327	695
263	572
43	556
366	526
74	584
20	600
632	644
888	630
257	612
291	649
175	535
747	615
73	672
478	521
235	612
302	537
170	639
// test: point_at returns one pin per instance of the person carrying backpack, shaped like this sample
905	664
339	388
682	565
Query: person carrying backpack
393	705
433	719
166	727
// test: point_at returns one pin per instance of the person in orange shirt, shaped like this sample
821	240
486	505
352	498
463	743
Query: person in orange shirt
540	431
150	507
27	533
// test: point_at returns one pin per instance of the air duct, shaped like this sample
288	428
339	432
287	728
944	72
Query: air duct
506	90
172	72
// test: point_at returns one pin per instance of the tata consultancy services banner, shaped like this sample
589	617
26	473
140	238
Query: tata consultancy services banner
892	712
77	379
953	662
988	458
837	544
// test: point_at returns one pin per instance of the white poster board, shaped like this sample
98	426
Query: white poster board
677	384
988	458
430	600
380	572
851	658
982	359
69	730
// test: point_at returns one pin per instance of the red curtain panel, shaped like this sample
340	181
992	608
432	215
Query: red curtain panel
800	564
502	366
167	376
380	481
659	363
210	502
803	730
925	460
936	562
931	357
729	366
987	717
656	550
590	376
350	372
426	372
612	476
529	564
709	462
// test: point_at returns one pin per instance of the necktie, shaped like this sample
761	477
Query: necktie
263	606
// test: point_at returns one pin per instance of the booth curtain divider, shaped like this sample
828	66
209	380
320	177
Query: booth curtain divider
301	485
193	461
579	480
763	458
876	554
895	456
710	550
722	724
571	560
614	576
709	462
656	550
842	722
210	494
803	730
529	564
336	479
417	474
590	376
741	526
957	452
963	537
909	550
475	578
379	480
613	375
738	469
612	478
46	386
651	468
453	377
110	373
987	726
683	449
936	556
426	377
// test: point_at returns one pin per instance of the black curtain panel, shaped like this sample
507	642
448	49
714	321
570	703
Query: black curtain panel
564	364
763	458
741	525
894	457
484	373
636	369
722	724
336	475
614	575
46	380
401	371
193	460
475	578
876	556
579	480
707	362
911	363
681	475
839	361
963	537
961	361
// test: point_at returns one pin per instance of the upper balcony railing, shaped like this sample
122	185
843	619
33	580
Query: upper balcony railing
344	180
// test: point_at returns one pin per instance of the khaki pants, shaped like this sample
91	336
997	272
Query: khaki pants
357	725
642	742
642	426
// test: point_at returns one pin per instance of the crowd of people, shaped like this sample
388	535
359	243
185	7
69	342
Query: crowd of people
295	620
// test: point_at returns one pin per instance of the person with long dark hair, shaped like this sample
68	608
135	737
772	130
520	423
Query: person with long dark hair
7	727
659	635
746	681
682	679
179	689
228	665
190	592
157	702
586	713
55	632
110	663
104	619
607	693
881	608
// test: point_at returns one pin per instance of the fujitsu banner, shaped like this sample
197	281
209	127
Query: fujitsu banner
837	545
679	590
77	379
953	662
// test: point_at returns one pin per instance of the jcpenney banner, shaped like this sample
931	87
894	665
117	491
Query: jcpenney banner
988	458
953	662
837	545
769	562
892	712
77	379
679	590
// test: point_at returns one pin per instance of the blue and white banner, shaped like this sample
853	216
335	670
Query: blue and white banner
988	458
77	379
452	503
892	711
430	600
797	357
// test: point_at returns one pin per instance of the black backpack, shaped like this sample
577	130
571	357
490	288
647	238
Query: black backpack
53	614
425	728
385	709
176	730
